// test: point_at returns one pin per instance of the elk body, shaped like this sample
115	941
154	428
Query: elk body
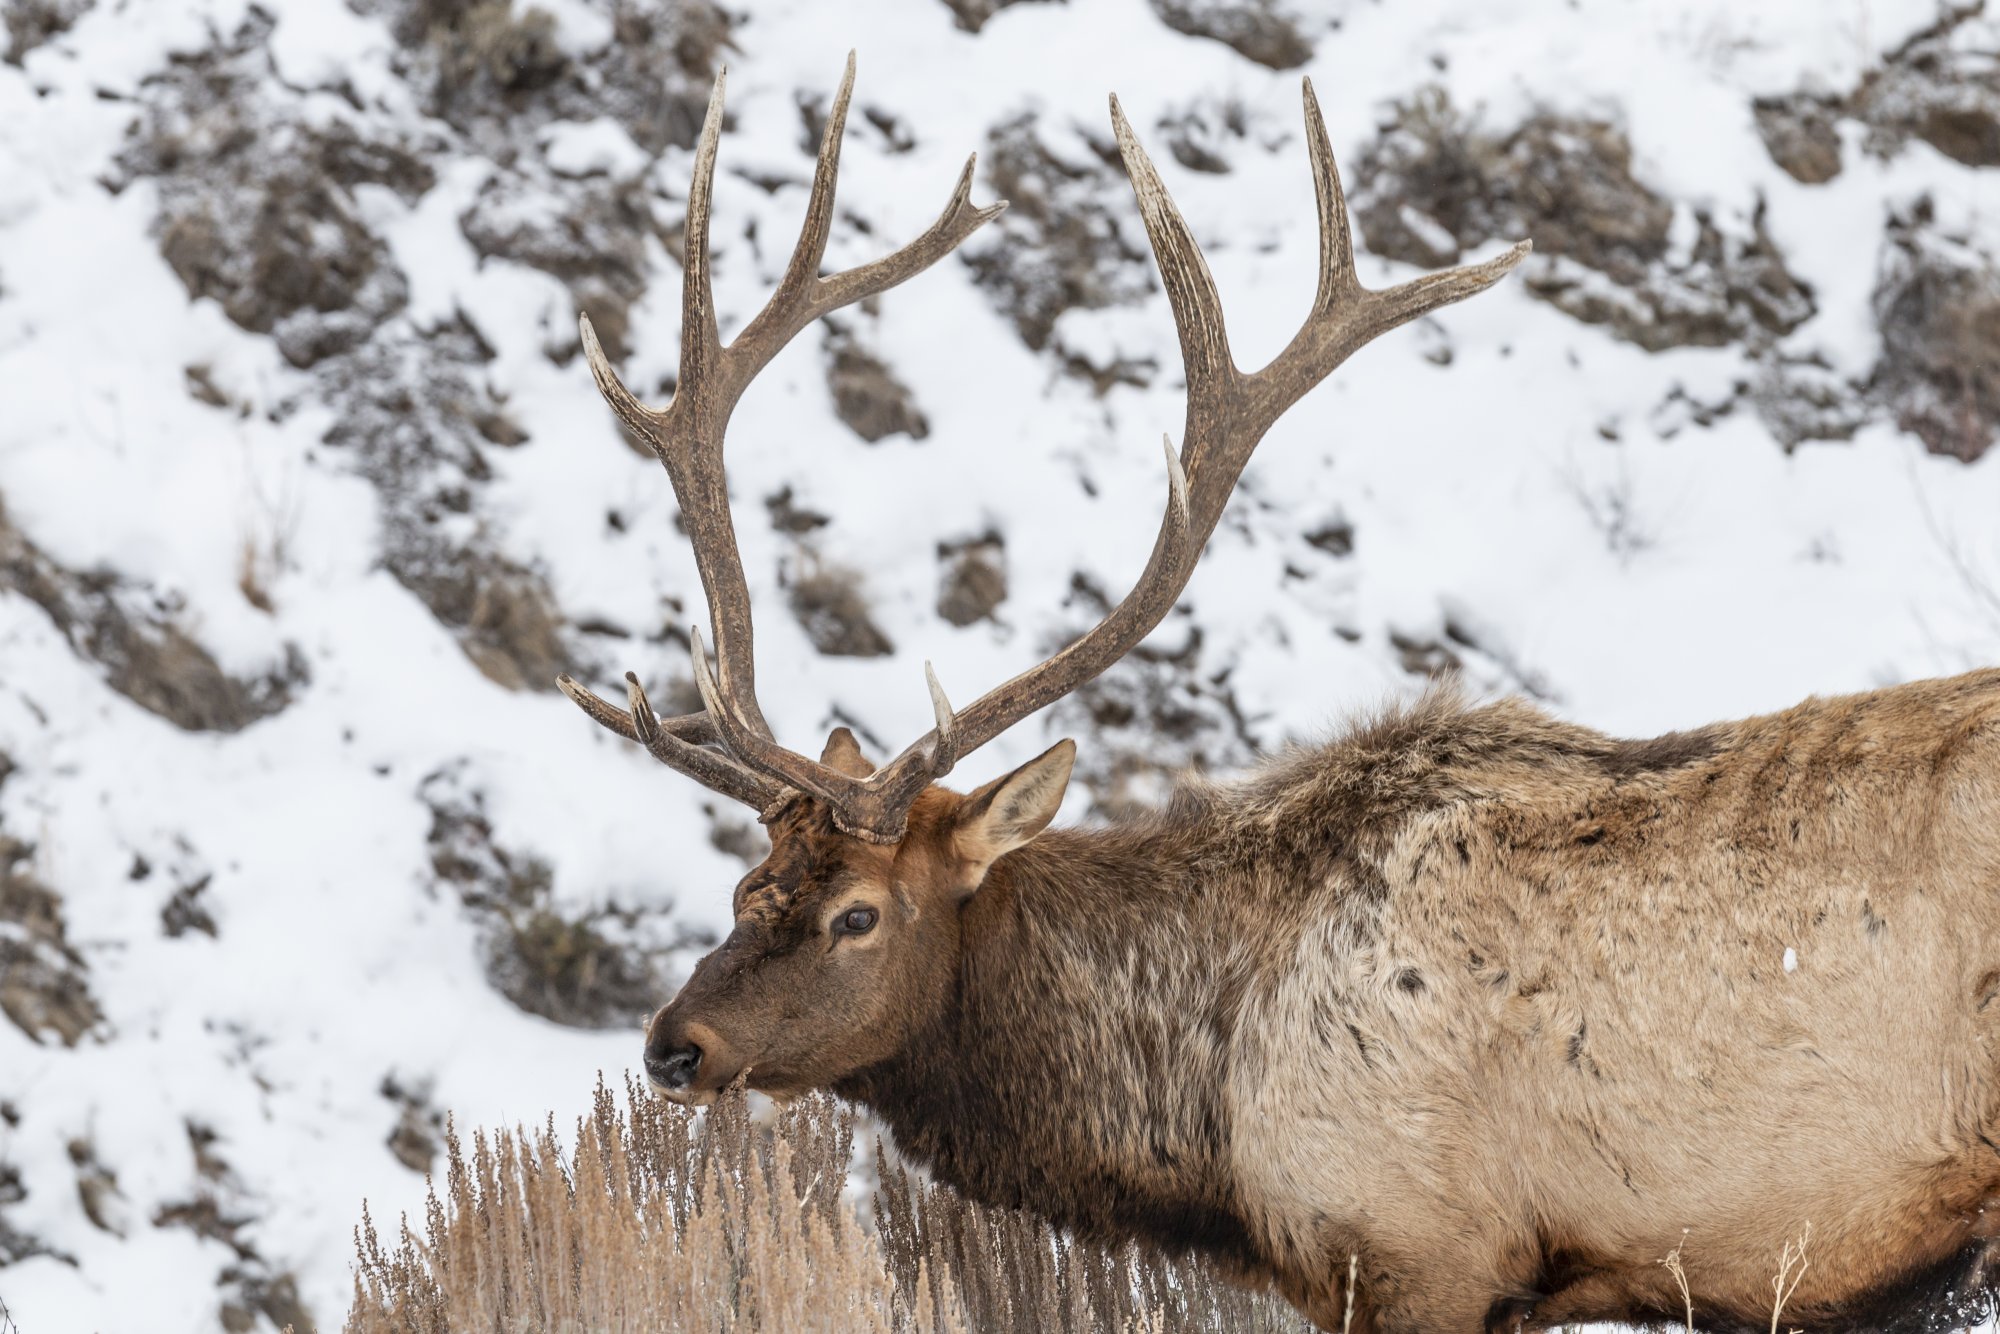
1497	1009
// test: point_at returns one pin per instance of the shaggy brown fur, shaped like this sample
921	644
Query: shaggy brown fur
1504	1007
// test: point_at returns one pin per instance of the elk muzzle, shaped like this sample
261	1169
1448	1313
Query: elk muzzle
688	1063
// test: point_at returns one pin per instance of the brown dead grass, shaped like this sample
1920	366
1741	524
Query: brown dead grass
659	1219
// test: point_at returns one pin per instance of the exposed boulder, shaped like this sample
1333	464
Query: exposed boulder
971	15
1941	86
134	634
256	204
494	70
30	23
1203	134
601	968
1800	132
590	233
829	604
1153	716
43	991
867	395
1259	30
972	582
1937	304
1608	249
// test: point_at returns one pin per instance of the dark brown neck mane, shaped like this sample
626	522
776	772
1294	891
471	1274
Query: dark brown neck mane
1078	1069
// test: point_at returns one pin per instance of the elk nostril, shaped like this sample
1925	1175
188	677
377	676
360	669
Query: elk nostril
674	1070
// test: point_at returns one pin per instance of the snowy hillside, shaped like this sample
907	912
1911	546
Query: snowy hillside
306	496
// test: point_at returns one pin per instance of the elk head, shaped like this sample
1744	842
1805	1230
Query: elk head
848	933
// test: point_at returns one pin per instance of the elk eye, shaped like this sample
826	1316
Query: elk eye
856	922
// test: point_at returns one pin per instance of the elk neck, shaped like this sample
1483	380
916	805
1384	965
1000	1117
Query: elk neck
1080	1064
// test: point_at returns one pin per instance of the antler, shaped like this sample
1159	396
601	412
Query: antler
688	434
1228	413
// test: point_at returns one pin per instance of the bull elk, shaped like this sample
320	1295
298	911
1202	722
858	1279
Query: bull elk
1488	1009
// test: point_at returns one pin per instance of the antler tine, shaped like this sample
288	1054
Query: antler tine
673	747
1346	315
1337	279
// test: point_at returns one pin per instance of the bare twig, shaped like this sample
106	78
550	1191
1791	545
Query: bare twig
1353	1273
1674	1267
1792	1266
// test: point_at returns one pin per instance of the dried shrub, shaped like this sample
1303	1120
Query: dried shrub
1434	185
1937	304
1058	246
664	1220
1258	30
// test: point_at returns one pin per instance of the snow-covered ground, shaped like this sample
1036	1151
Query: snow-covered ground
1540	498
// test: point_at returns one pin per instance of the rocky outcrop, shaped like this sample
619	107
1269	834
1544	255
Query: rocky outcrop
1608	249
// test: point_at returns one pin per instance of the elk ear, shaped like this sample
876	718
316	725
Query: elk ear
1009	811
843	753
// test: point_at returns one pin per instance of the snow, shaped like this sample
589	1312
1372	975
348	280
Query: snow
1478	493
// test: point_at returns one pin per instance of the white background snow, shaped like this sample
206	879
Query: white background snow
1765	577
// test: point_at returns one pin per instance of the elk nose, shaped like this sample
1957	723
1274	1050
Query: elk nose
673	1070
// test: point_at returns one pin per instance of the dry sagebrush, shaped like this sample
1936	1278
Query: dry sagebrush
660	1219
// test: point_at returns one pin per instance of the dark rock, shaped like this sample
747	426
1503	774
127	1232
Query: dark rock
43	991
867	395
1941	86
33	22
1799	132
1058	246
1258	30
256	209
828	603
787	516
590	233
973	582
133	634
971	15
1433	186
186	912
1937	305
419	1131
96	1187
1335	537
603	968
1202	135
492	70
1802	399
1155	715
